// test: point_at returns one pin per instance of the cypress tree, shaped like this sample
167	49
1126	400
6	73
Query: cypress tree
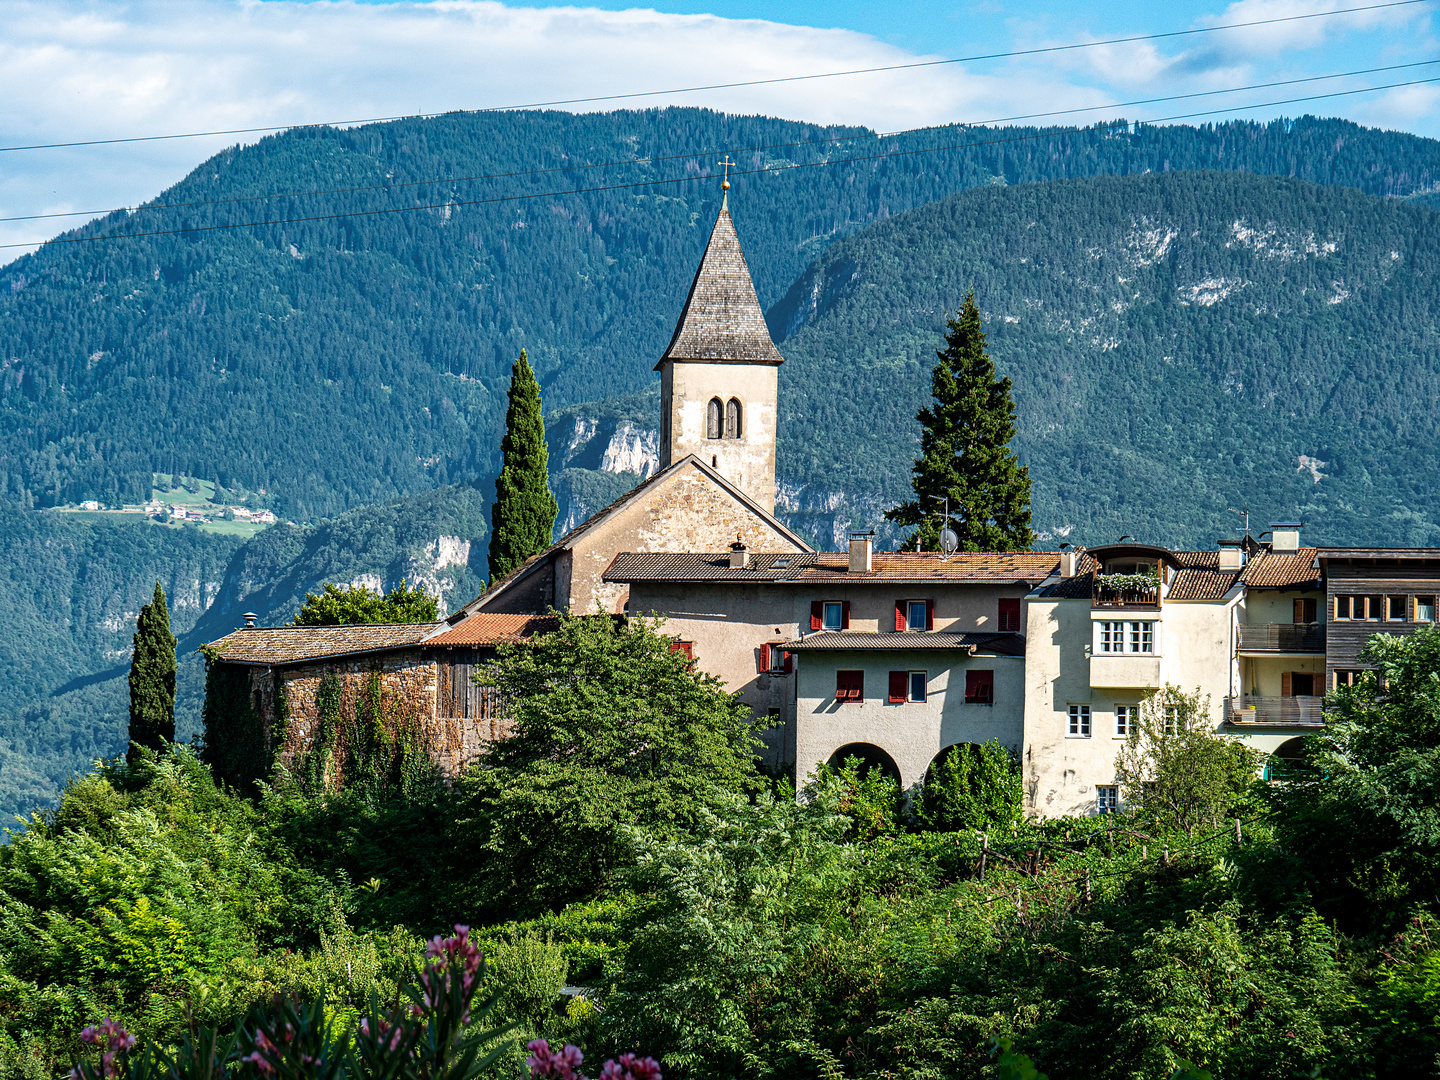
523	519
965	454
152	677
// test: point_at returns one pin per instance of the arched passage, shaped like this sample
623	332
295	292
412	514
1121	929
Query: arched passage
1288	760
871	757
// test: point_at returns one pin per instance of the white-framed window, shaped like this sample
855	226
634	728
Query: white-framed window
1126	719
1173	724
1080	720
1117	636
833	615
919	680
1107	798
916	614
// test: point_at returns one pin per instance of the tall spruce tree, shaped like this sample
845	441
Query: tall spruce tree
523	519
965	451
152	677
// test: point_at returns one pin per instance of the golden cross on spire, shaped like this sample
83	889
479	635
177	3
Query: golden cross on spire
725	183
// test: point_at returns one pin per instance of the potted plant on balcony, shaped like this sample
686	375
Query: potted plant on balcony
1119	588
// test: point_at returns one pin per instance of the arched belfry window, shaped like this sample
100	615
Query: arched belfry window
712	419
734	421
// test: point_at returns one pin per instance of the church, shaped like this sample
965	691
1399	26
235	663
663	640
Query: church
891	657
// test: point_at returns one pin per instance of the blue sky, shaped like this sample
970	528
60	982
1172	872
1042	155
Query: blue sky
94	69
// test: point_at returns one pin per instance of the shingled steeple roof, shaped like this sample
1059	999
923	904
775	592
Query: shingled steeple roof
722	321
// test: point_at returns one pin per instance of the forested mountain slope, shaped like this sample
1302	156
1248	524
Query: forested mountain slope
1180	344
343	362
71	592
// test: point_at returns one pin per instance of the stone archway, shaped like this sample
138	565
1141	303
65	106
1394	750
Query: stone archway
871	757
1287	762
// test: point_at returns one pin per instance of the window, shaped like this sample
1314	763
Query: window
1344	607
1126	718
1305	610
1107	798
1172	723
918	684
773	659
686	647
713	418
1369	608
1346	678
1010	615
849	686
1131	637
732	419
1297	684
917	615
834	616
1374	608
1424	609
907	686
980	687
1080	720
1397	608
830	615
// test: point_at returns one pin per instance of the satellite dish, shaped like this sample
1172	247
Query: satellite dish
949	542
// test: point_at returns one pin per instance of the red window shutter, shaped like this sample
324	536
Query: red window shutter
899	686
686	647
764	658
1287	685
900	621
817	610
849	686
845	615
1010	614
929	614
789	663
980	687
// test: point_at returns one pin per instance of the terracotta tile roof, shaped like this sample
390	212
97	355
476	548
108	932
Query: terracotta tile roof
888	566
1271	571
294	644
1073	588
1201	584
490	628
829	641
722	319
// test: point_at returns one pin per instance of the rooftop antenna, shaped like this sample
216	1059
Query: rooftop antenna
1243	513
948	538
725	183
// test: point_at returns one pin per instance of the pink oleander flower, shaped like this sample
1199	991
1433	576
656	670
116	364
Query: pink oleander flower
552	1065
447	958
114	1039
629	1067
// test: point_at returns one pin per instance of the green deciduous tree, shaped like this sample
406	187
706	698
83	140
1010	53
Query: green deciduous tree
610	726
1176	768
152	677
523	520
965	451
340	605
972	787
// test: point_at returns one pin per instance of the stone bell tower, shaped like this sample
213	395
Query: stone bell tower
719	377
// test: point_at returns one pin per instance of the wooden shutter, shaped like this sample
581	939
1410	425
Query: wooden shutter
929	614
849	686
899	686
1010	614
900	620
789	663
844	614
686	647
980	687
817	612
764	658
1287	685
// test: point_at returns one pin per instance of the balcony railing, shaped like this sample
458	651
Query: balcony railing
1248	709
1283	638
1104	594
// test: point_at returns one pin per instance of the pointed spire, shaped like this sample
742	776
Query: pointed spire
722	321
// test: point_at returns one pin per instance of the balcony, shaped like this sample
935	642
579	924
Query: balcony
1125	591
1280	711
1283	638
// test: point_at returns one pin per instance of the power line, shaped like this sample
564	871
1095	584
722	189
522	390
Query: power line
1046	50
832	140
455	203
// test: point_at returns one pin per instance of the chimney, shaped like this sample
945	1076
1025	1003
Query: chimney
1070	561
249	618
739	554
860	560
1232	556
1285	536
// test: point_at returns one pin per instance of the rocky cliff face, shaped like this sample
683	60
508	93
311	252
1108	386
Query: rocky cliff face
599	450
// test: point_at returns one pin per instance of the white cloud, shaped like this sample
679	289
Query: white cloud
84	70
